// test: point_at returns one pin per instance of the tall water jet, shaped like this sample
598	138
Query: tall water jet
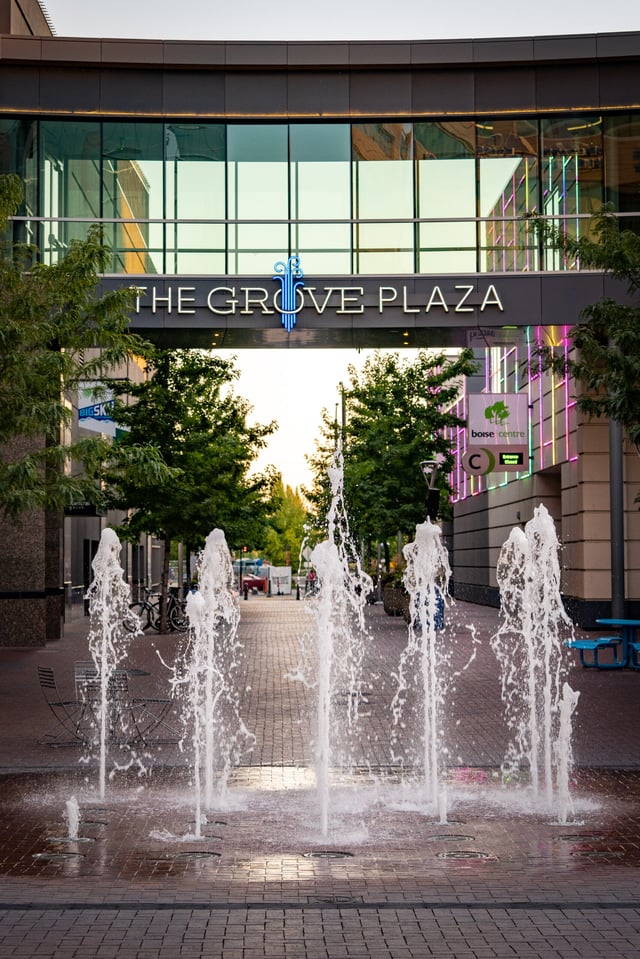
422	667
110	631
338	609
203	677
529	649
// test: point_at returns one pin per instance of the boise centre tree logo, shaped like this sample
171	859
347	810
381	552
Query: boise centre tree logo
497	413
290	276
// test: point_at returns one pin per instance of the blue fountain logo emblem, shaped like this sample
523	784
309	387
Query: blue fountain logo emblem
291	296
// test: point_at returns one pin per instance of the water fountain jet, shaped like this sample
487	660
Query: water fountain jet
203	676
110	632
338	609
421	669
529	646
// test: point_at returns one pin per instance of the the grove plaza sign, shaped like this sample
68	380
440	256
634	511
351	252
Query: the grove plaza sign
238	300
291	309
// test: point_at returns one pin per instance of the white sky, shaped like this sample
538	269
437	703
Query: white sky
336	20
292	386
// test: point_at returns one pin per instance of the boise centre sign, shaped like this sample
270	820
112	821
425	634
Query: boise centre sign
497	433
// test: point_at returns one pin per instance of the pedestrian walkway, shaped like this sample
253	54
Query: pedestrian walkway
390	879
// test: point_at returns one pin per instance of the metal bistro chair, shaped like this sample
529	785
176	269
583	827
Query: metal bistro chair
131	719
71	714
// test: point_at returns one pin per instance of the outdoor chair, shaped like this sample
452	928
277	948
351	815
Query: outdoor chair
131	719
71	714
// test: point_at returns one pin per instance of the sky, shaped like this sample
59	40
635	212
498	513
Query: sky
293	386
336	20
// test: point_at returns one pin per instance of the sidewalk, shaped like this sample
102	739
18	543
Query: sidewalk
388	879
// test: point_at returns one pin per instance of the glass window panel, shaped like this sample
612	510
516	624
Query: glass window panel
323	248
448	140
195	248
504	138
195	190
18	154
70	181
320	142
257	189
133	190
322	191
257	142
384	248
508	191
571	176
255	247
446	192
195	141
622	166
382	141
383	190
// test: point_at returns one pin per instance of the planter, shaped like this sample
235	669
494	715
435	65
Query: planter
395	601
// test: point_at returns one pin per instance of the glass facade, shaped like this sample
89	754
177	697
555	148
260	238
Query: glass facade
381	198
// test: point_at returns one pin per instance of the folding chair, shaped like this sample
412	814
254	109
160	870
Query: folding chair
146	714
130	719
71	714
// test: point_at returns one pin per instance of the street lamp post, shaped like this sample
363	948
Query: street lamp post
430	470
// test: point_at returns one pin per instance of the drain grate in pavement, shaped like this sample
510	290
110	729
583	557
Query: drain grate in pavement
328	854
337	900
68	841
461	854
450	837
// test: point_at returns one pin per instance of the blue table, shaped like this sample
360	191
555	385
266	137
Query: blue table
630	653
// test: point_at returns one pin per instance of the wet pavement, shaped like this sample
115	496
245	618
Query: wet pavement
388	880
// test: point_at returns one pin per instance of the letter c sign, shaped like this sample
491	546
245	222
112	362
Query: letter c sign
478	461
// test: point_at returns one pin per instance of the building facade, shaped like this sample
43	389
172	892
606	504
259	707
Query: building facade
291	195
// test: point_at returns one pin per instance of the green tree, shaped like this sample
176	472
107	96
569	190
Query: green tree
606	360
285	530
397	414
56	331
187	410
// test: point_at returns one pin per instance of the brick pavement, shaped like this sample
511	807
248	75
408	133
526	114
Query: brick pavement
388	880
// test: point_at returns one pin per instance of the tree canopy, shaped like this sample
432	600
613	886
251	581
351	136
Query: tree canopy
606	361
57	330
396	416
286	526
187	410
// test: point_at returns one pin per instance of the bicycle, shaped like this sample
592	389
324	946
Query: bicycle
145	611
176	614
148	613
